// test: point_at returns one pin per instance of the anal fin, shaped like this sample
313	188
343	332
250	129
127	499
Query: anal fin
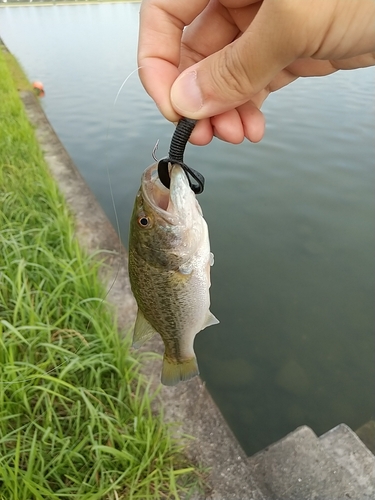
143	331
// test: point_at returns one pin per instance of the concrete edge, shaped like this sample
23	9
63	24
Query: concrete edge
232	476
189	405
366	434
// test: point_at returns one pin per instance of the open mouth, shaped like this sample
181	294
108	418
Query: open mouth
171	204
157	195
160	195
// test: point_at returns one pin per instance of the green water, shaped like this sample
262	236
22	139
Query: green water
291	218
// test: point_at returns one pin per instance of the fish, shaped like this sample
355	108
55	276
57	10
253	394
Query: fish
169	270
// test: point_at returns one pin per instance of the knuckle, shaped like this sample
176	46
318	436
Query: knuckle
233	74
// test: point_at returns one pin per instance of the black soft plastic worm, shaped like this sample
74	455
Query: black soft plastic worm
176	155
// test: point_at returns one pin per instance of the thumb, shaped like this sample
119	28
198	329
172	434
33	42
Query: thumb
231	76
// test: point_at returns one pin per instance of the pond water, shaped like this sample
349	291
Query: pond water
291	218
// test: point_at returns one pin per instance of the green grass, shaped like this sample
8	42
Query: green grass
16	73
75	415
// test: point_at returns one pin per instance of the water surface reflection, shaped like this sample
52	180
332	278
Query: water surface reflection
291	218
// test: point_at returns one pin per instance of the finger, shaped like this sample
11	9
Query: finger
362	61
157	77
212	30
243	15
253	121
202	133
228	127
161	26
228	78
238	4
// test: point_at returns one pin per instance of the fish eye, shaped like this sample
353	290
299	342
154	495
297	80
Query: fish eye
144	221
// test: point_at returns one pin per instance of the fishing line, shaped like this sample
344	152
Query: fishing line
176	152
109	177
106	162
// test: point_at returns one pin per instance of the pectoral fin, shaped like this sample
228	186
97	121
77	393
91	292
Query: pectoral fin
210	320
212	259
143	331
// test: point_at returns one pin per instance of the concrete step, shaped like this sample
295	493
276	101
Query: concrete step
366	433
348	450
302	466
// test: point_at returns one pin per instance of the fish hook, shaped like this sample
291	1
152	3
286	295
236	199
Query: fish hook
154	150
180	137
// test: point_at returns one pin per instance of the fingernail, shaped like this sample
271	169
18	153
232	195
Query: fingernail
186	96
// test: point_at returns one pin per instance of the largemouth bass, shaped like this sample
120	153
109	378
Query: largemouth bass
169	269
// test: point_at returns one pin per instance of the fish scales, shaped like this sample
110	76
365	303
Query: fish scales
169	269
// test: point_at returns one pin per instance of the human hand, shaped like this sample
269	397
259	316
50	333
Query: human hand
234	53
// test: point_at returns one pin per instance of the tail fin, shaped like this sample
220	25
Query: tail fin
174	372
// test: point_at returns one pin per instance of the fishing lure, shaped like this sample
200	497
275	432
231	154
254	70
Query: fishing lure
176	156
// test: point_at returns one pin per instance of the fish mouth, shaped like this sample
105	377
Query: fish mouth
166	202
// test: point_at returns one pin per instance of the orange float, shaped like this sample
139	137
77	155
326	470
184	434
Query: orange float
39	89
